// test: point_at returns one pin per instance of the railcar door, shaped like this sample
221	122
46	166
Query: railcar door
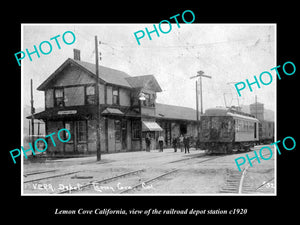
215	128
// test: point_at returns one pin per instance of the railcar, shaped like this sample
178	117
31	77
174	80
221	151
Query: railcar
223	130
266	132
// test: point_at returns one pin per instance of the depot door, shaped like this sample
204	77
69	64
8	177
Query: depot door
78	141
124	134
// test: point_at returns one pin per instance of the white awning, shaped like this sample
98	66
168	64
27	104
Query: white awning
151	126
110	111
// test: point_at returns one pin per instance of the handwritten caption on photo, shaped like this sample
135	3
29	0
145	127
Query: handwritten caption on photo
79	187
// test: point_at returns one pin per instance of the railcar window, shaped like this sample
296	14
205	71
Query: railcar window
229	125
215	123
205	124
226	125
236	125
243	125
240	125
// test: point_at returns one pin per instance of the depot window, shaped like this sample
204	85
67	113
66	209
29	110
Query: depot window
70	126
118	130
136	129
115	95
90	96
81	131
59	97
149	100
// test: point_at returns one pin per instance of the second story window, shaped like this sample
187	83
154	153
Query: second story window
115	95
150	100
59	97
90	96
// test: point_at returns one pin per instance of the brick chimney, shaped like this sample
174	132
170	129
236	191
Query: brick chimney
76	54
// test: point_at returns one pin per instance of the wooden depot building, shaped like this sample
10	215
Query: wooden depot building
125	119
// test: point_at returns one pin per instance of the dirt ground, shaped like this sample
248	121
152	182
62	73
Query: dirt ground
198	174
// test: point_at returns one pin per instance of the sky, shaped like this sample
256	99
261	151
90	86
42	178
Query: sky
229	53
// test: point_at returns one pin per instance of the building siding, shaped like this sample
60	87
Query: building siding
72	75
92	136
124	97
49	98
109	95
102	94
54	126
111	135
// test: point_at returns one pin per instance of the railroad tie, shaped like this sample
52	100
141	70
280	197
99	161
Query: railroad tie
232	182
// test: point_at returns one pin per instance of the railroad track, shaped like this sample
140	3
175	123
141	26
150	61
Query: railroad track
234	182
156	178
129	188
50	177
38	172
137	179
149	181
102	181
136	186
187	158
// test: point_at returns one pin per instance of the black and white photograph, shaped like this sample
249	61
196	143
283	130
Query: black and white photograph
145	112
177	108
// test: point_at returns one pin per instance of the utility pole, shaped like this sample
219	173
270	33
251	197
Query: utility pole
199	75
98	116
197	108
38	128
256	106
29	130
32	114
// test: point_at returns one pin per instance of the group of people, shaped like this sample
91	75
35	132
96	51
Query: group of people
182	142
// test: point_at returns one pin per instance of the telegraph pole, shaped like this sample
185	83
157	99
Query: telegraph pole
32	113
256	106
199	75
197	108
98	115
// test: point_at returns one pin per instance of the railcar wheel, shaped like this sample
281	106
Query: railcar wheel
229	148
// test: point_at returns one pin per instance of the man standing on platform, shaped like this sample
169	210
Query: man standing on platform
186	142
161	143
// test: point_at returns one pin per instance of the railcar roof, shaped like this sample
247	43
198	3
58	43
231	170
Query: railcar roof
229	112
242	117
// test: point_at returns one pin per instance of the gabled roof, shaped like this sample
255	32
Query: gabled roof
164	111
106	74
145	81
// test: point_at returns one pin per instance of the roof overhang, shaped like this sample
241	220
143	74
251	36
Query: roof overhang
112	111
